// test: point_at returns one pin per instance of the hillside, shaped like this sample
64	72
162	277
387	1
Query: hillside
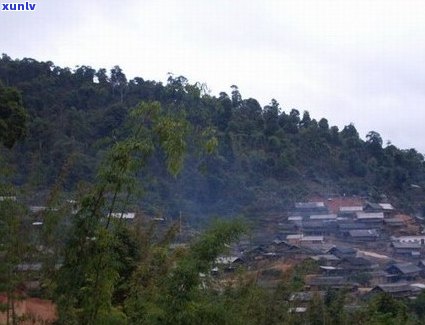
267	157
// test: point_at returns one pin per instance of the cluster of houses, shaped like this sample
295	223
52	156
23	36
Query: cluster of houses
364	248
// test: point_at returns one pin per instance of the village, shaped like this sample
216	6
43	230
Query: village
361	247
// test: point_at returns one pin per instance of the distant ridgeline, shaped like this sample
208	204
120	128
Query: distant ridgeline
267	158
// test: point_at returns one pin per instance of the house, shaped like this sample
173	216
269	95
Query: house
229	263
397	290
294	238
287	227
309	208
394	222
360	235
349	211
282	247
372	207
342	252
313	227
302	299
256	253
409	239
356	264
319	227
406	248
296	221
387	209
326	259
305	296
312	240
323	217
371	218
345	226
378	277
403	271
336	282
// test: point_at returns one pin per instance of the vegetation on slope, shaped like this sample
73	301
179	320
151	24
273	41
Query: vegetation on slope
267	157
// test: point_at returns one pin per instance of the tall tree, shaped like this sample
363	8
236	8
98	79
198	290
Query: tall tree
12	116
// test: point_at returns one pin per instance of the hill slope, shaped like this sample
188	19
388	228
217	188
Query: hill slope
266	158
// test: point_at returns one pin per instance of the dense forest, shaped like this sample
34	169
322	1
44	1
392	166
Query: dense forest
266	158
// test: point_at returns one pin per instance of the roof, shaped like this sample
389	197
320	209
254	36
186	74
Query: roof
342	250
357	261
406	245
408	239
294	236
406	268
298	310
327	257
374	206
386	206
29	267
295	218
330	281
358	233
330	268
305	295
227	259
36	209
373	255
351	209
309	205
312	238
394	287
123	215
366	215
352	225
335	203
313	224
5	198
394	221
323	217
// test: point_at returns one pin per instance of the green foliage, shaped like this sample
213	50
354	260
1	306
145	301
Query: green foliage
80	113
12	116
384	309
91	271
168	288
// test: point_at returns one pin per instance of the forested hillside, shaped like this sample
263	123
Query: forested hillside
266	157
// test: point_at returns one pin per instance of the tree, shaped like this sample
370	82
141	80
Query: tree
87	279
374	143
384	309
13	250
271	117
236	96
306	120
118	81
168	289
12	116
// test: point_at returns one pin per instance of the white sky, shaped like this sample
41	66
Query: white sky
349	61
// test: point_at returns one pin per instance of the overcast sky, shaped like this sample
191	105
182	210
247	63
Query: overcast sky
349	61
